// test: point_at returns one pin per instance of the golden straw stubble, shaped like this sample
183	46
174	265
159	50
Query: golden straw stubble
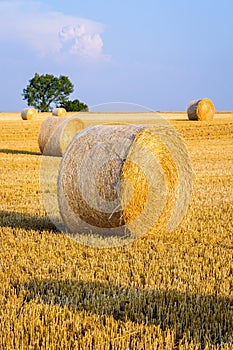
201	110
124	179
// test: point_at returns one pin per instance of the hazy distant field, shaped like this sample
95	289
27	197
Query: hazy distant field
164	291
166	115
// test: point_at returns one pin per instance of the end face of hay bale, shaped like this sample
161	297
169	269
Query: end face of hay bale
29	114
205	109
201	110
67	131
59	112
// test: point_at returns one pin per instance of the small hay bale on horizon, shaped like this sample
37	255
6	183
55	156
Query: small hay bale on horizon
29	114
56	133
124	180
59	112
202	110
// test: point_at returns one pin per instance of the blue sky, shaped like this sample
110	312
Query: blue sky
159	54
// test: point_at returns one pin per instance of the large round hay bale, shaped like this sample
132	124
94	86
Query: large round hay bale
56	133
124	180
29	114
59	112
201	109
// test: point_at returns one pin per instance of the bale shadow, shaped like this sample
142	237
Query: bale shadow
201	318
16	151
25	221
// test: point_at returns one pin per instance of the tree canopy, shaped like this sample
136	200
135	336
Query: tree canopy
74	106
46	89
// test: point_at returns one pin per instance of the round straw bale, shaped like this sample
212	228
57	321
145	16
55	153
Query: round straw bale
59	112
201	109
124	181
29	113
56	133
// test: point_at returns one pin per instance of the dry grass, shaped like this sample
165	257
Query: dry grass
167	291
135	117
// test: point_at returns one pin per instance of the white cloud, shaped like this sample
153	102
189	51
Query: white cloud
50	33
69	32
77	40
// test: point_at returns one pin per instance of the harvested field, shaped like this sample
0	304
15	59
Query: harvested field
163	291
115	116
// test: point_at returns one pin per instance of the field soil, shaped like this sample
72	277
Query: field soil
163	291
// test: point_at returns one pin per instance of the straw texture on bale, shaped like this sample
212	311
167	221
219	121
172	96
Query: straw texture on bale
29	114
201	110
59	112
124	180
56	133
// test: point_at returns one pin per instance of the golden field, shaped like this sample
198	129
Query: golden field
163	291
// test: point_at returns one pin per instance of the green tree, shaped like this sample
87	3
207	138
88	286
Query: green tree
44	90
74	106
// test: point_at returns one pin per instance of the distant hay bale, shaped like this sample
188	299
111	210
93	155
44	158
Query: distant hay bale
56	133
201	109
29	114
124	180
59	112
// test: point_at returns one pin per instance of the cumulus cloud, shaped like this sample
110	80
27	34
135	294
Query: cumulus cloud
77	40
48	33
